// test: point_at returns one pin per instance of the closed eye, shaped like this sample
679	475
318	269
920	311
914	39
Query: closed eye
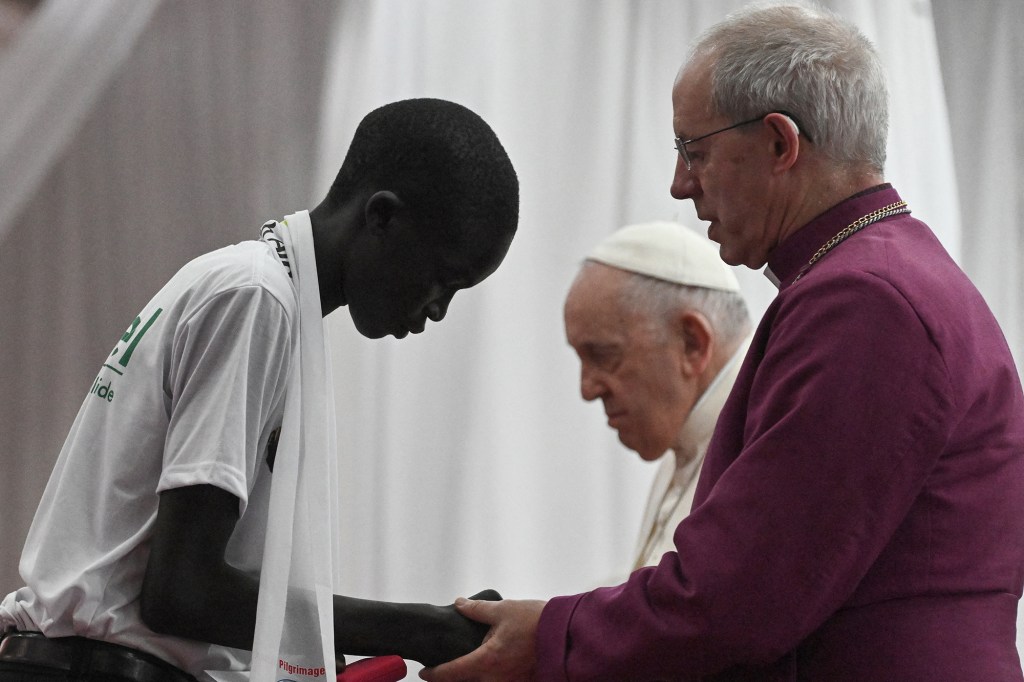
604	357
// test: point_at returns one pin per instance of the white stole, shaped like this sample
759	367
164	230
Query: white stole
294	636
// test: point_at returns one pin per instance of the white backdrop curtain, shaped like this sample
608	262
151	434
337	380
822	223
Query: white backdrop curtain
981	52
470	459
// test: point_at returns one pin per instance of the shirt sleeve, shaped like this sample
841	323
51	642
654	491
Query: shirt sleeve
846	416
230	364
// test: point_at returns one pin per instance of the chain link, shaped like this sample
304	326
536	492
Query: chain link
859	223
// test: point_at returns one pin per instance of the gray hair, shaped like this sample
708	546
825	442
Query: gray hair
805	60
659	300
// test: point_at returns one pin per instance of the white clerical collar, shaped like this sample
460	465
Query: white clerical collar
772	277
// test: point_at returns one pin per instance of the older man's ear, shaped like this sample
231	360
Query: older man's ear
697	338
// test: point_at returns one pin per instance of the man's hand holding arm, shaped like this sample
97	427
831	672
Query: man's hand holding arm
508	652
425	633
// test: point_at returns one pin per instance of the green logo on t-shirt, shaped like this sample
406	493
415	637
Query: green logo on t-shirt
131	337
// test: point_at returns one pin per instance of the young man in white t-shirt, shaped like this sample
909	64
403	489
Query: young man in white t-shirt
145	551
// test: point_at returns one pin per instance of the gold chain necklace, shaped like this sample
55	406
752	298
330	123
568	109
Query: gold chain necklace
859	223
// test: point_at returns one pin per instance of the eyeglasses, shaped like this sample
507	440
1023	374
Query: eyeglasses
688	160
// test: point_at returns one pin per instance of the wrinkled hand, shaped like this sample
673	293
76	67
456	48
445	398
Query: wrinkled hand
508	651
455	636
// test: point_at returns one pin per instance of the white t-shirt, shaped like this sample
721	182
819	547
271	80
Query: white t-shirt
189	395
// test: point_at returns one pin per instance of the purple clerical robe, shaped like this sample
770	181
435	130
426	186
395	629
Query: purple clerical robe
860	513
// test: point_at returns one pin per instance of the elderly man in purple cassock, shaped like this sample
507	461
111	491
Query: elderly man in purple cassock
860	512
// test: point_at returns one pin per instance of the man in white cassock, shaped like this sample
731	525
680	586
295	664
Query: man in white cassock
188	515
660	328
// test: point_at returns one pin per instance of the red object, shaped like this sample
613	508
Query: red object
377	669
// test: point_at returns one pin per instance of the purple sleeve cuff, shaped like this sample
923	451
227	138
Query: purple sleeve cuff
553	639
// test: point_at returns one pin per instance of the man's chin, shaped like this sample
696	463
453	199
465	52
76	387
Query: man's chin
755	260
373	332
650	456
728	256
644	452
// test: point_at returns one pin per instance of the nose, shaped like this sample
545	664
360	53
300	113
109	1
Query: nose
684	183
438	308
591	387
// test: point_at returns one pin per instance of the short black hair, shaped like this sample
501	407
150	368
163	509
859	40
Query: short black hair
441	159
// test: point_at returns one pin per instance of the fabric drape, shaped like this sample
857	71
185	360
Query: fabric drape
54	74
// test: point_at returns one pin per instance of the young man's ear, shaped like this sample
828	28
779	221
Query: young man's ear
381	208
